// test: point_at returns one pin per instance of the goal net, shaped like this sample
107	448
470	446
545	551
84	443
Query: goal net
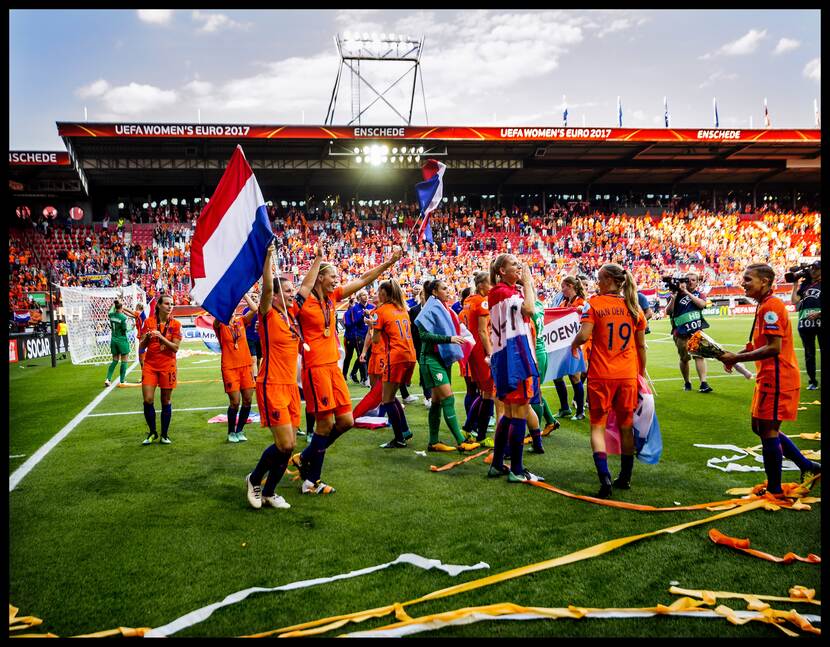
87	319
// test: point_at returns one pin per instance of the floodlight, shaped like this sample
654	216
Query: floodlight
383	36
409	158
163	202
174	201
374	35
365	150
403	149
417	158
120	205
384	149
445	199
207	200
395	151
269	203
356	151
145	205
183	201
153	204
293	204
365	36
302	203
358	159
347	35
195	201
384	159
420	149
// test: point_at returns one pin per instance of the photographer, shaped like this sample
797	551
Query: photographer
685	308
806	297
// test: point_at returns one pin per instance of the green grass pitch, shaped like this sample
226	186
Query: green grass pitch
105	532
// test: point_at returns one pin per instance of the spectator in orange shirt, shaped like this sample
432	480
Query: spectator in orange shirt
777	380
615	323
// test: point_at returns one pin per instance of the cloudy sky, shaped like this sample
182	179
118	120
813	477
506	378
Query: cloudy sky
479	67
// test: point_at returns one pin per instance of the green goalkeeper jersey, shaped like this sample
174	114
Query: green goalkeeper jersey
118	325
539	322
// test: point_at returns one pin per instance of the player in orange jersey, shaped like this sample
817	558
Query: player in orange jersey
615	323
324	386
777	379
392	327
479	326
377	356
161	339
471	398
573	293
278	397
237	369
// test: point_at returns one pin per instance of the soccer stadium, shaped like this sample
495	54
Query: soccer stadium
632	313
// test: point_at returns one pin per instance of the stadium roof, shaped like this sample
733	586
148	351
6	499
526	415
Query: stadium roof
323	157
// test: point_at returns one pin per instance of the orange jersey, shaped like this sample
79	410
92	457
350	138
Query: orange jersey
394	327
159	356
280	341
779	373
613	346
578	302
478	309
235	351
312	320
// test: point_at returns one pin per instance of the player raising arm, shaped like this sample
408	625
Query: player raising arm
278	397
237	369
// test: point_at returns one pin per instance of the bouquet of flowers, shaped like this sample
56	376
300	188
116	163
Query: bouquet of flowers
702	345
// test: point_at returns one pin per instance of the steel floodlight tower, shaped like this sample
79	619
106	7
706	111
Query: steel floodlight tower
354	48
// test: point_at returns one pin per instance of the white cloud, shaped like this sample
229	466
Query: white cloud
155	16
199	88
746	44
131	99
785	45
717	76
813	70
94	89
212	22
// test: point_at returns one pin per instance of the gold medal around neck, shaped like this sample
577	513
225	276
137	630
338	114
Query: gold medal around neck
327	332
307	347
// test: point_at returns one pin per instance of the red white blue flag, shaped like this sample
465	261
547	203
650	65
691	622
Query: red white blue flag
648	442
561	327
232	234
430	192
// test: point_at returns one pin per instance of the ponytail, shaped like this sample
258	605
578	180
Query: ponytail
630	295
625	282
393	292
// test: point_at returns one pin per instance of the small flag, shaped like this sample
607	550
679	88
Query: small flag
22	317
648	441
766	114
204	324
564	111
666	111
715	104
561	326
429	193
619	112
230	240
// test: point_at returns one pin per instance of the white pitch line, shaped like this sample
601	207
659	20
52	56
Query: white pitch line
38	456
17	456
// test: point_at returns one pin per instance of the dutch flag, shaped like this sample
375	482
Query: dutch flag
230	240
430	192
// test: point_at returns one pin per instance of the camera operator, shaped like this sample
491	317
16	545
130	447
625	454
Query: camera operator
685	308
806	297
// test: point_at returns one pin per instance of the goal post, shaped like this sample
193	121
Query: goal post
87	319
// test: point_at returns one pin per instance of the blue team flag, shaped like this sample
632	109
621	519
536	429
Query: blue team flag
666	111
565	112
715	104
619	112
429	193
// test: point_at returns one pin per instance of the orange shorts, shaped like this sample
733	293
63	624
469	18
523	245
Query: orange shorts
619	395
377	362
278	404
238	379
522	394
325	390
768	405
400	373
480	372
151	376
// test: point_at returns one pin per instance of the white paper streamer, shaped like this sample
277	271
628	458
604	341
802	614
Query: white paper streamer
731	466
432	625
195	617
